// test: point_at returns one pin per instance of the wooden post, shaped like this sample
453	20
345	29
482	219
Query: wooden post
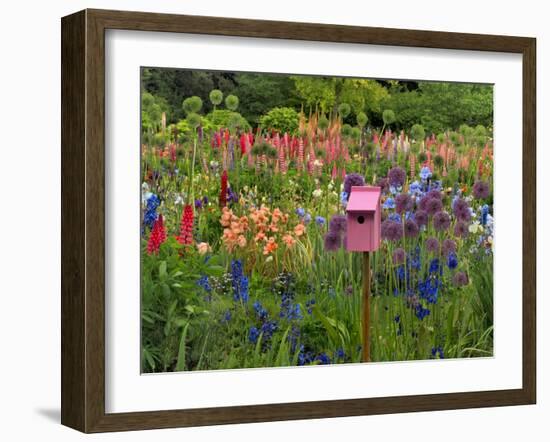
366	307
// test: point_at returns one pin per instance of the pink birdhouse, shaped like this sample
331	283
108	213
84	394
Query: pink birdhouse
363	219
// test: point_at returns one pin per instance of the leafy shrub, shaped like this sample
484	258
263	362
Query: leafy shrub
225	118
282	119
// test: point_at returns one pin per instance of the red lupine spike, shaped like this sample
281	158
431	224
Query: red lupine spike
243	144
223	190
186	226
157	236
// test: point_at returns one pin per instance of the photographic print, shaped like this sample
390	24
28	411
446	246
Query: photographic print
294	220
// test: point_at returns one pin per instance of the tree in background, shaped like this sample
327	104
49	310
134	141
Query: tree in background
327	93
441	106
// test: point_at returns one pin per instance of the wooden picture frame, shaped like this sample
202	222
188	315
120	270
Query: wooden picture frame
83	220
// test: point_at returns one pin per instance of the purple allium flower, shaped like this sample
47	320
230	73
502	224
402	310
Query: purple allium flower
411	228
441	220
384	184
460	279
449	246
421	217
391	230
397	176
461	229
338	224
333	241
403	203
481	190
353	179
433	206
398	256
432	245
461	210
434	193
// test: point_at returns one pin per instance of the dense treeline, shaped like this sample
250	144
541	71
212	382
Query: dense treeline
437	106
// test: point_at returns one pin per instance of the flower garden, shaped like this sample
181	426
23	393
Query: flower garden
244	260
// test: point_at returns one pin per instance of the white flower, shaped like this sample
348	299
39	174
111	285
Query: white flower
269	258
178	200
331	185
317	163
145	196
317	193
475	227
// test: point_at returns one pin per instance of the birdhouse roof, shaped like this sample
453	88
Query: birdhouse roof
363	199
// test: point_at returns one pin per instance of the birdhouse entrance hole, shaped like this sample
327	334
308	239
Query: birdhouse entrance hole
360	219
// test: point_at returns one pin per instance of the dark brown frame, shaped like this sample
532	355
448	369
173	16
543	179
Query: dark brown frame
83	216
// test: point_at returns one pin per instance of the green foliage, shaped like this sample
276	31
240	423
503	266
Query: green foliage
388	116
323	93
440	106
346	130
193	120
344	109
282	119
216	97
192	105
222	118
151	112
417	132
362	119
232	102
323	122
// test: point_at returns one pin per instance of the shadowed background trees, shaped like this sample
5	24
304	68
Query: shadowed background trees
437	106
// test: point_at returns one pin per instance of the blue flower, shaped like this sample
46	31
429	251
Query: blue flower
268	328
484	213
260	311
300	212
425	173
309	305
320	221
307	218
389	204
437	352
226	316
421	312
397	318
452	261
150	215
435	266
394	217
253	334
340	354
344	198
239	281
323	359
415	188
204	283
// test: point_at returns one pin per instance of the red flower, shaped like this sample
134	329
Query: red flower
186	226
157	236
243	144
223	190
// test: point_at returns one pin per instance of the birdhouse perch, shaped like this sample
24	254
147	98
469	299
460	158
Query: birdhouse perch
364	218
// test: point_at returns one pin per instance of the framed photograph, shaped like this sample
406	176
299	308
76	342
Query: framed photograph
268	220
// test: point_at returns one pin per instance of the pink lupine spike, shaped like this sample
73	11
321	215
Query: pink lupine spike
334	173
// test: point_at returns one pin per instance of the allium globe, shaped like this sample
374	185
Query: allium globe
481	190
441	220
397	176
